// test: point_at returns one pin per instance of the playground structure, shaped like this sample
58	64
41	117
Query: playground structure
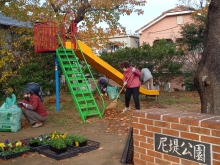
70	53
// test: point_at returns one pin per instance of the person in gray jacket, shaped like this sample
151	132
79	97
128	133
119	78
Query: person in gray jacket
146	77
103	82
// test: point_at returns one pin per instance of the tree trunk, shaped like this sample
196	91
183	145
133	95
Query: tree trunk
207	77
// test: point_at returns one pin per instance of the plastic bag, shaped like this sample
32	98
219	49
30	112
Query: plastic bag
10	116
112	92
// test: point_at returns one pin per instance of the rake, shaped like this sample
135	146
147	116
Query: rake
114	103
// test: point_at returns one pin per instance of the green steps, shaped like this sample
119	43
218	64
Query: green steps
77	83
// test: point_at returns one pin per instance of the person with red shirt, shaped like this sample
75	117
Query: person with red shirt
132	84
33	108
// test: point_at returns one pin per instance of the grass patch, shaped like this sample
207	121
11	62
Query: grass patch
69	117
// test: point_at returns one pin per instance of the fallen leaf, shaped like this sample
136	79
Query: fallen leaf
125	134
42	155
123	118
111	125
123	124
24	155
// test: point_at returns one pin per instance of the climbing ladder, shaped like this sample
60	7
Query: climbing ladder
77	83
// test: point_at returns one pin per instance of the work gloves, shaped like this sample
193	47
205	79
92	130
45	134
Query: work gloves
133	69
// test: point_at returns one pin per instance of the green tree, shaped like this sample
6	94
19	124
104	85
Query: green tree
192	42
39	69
15	50
193	36
7	57
166	62
163	59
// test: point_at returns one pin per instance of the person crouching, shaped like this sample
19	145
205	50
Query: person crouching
33	108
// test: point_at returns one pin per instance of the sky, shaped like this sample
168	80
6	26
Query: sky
152	9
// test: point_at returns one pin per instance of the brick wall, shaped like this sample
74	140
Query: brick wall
204	128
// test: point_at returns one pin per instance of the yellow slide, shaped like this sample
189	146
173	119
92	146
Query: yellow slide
105	68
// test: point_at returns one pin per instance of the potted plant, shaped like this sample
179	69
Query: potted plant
44	139
69	140
38	141
35	142
80	141
58	145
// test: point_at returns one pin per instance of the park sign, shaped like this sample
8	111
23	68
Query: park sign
183	148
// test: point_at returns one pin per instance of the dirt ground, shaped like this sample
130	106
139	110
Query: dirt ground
111	146
111	131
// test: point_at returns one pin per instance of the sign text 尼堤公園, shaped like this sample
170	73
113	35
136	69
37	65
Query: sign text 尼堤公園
183	148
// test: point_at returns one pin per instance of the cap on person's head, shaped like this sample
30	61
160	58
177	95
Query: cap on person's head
102	82
26	91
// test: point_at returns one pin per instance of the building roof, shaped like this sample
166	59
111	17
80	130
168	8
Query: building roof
7	21
175	11
123	36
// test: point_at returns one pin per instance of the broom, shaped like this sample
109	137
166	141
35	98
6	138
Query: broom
114	103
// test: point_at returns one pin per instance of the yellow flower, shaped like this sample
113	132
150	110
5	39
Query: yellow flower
10	145
2	145
18	143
